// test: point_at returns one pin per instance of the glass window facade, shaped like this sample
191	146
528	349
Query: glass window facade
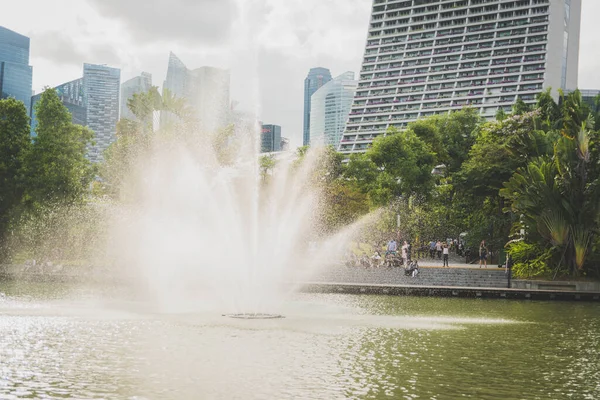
15	72
316	78
330	106
101	90
270	138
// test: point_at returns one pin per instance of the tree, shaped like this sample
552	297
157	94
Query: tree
57	170
557	197
266	164
520	107
14	145
405	162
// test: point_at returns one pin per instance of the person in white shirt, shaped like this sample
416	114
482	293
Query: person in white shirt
405	253
445	251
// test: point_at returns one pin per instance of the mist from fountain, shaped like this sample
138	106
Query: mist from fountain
200	228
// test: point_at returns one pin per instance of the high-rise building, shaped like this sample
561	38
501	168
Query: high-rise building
15	72
270	138
206	90
93	102
426	57
316	78
137	84
101	88
330	108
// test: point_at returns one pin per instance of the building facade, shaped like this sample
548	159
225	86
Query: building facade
206	90
270	138
316	78
137	84
330	106
426	57
101	90
93	102
15	72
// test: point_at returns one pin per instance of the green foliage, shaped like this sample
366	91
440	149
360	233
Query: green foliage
14	145
501	148
520	107
530	259
405	163
56	168
557	197
342	205
266	164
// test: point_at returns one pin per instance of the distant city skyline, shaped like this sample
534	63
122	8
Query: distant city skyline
268	47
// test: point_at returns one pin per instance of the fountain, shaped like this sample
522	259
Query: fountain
196	224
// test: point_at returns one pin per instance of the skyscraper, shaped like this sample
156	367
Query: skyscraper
101	88
93	102
330	108
15	72
316	78
206	90
270	138
137	84
426	57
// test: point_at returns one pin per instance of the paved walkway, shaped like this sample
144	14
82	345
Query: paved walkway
454	261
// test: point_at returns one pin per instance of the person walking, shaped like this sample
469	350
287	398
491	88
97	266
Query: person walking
483	252
438	248
446	251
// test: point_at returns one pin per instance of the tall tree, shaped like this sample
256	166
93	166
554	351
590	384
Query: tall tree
57	170
14	144
405	162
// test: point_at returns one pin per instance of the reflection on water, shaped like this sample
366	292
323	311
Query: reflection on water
65	344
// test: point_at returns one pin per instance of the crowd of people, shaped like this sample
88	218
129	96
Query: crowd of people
395	254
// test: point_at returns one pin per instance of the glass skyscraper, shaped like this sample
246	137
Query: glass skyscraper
330	108
93	102
316	78
427	57
206	90
15	72
138	84
101	89
270	138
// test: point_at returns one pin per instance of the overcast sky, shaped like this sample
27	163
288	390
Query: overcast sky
269	45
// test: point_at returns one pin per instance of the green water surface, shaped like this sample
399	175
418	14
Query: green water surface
60	342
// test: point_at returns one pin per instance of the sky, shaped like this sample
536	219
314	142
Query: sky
268	45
